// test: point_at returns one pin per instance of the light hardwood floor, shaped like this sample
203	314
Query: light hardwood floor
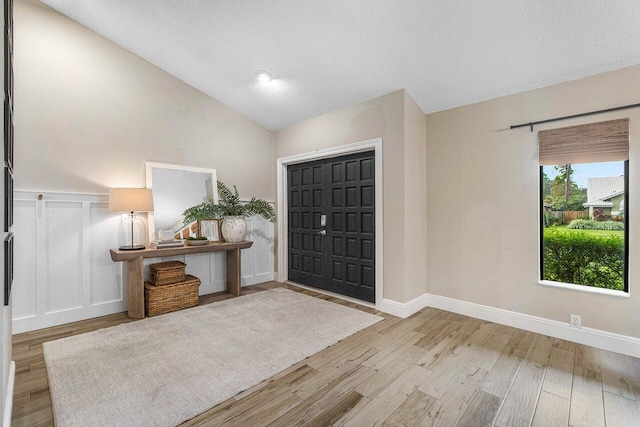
433	369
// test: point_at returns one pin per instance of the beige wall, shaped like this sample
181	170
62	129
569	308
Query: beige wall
90	113
482	215
415	193
382	117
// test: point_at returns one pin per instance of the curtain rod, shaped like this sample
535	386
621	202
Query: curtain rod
531	124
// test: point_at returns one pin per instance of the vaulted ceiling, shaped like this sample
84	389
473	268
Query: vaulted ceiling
325	55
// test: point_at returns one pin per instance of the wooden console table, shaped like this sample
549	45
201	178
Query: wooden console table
134	274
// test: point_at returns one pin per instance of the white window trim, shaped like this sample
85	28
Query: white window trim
585	288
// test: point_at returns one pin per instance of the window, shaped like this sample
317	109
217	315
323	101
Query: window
583	194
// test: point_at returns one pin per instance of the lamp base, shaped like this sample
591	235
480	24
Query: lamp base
129	248
132	235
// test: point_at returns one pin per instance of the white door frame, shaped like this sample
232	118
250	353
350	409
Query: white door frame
358	147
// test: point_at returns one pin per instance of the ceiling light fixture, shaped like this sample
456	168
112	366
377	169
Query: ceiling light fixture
263	76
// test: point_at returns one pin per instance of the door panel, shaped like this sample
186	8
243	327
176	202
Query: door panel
306	203
343	259
351	209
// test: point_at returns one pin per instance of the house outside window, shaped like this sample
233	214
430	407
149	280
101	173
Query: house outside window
583	193
605	196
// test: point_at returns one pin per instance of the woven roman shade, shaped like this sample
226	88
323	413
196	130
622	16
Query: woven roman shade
594	142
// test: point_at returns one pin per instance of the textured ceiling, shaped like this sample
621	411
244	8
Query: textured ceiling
325	55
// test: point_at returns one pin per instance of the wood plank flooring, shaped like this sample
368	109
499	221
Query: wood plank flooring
433	369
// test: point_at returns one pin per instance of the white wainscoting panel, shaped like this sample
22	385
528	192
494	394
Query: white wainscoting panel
24	259
64	256
63	270
105	276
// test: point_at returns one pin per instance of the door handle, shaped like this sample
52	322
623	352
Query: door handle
321	232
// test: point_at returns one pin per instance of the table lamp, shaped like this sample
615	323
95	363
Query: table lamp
133	233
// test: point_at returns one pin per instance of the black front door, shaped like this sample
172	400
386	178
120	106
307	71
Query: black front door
331	226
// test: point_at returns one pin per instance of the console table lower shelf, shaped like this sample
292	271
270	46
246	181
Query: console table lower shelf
134	274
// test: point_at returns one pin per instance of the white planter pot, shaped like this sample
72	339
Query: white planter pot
234	229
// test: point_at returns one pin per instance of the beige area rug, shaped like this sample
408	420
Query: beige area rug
164	370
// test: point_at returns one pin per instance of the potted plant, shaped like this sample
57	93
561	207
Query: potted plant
231	211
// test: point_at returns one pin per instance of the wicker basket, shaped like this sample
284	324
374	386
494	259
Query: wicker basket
167	273
168	298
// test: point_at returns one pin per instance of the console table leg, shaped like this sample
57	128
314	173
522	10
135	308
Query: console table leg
134	277
233	272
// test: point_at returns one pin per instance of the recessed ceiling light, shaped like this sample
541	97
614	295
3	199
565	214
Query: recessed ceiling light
263	76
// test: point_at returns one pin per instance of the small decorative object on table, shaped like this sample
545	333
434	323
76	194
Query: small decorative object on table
196	241
232	212
160	244
209	228
164	235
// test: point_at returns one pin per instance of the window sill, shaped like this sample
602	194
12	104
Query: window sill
582	288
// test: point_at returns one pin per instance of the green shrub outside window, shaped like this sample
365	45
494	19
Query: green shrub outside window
583	259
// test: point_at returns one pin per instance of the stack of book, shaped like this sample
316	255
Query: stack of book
161	244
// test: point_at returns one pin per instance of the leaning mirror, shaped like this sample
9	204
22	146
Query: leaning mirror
176	188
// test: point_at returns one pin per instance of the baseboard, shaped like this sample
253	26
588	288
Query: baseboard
403	310
32	323
8	402
592	337
258	278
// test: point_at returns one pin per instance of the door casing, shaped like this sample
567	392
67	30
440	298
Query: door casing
358	147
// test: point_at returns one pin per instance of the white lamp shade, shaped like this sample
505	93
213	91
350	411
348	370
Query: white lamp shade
130	200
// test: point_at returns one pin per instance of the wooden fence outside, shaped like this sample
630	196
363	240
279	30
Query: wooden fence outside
566	217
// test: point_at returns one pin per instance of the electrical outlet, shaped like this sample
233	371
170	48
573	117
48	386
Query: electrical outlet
576	321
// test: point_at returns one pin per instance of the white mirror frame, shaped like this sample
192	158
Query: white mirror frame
149	179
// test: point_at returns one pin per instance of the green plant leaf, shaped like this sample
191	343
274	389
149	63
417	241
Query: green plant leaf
229	204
